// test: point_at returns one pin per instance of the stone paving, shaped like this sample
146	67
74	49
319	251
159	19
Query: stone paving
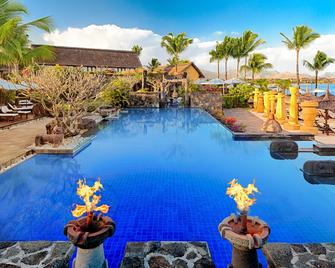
300	255
14	142
167	255
35	254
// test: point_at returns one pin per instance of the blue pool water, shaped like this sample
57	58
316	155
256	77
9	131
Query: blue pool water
165	174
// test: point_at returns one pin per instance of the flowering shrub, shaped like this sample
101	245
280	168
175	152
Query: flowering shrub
238	127
229	121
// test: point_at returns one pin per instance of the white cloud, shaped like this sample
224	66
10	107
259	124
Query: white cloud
111	36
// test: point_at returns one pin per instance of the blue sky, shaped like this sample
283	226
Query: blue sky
199	19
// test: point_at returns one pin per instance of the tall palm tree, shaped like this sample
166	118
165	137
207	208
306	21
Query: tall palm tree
216	55
302	37
320	62
175	45
226	50
237	52
15	49
153	64
250	42
256	64
137	49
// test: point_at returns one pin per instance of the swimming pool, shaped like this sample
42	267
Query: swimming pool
165	174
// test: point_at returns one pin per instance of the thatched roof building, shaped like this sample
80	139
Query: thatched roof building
94	59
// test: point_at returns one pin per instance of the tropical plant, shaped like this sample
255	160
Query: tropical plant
302	37
175	45
15	49
226	48
250	42
137	49
238	96
237	52
216	55
116	93
256	64
283	84
153	64
320	62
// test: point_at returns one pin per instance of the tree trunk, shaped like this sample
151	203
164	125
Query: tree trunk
316	79
237	67
297	68
218	69
226	69
245	70
253	76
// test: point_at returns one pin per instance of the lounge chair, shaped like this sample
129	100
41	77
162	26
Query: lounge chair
24	108
5	113
5	109
25	102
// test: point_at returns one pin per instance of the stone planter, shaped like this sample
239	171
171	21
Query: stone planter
89	240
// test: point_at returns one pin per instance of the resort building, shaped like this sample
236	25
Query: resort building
94	59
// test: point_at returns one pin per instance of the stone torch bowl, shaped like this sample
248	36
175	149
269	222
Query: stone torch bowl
86	237
255	237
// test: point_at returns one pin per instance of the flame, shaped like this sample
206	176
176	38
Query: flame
241	195
87	194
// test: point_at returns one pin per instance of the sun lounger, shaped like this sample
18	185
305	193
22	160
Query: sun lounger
23	108
6	113
25	102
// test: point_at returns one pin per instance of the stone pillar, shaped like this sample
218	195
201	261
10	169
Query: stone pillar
293	123
90	258
266	104
281	108
273	102
256	93
309	112
260	104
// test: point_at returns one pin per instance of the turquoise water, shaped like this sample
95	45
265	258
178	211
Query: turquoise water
320	86
165	174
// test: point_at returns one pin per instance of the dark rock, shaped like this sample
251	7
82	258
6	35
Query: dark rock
152	247
330	246
60	251
34	259
11	252
132	262
135	248
201	247
4	245
29	247
179	263
322	264
5	265
174	249
191	255
278	254
304	258
298	248
58	263
316	249
204	263
159	262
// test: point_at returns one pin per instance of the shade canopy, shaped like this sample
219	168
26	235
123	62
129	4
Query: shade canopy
4	84
201	81
327	101
234	81
216	81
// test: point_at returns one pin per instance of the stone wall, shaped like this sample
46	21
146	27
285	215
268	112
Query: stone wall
208	100
149	100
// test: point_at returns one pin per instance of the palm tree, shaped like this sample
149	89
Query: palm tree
226	51
256	64
302	37
153	64
137	49
175	45
15	49
320	62
237	52
250	42
216	55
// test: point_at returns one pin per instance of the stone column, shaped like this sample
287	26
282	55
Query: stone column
281	108
293	123
273	102
309	112
256	93
266	104
260	104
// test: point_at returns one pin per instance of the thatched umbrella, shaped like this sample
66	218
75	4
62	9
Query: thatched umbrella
327	103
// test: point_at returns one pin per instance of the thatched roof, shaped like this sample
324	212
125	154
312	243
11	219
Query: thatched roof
91	57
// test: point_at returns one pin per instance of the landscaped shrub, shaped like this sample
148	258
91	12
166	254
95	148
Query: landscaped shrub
238	96
116	93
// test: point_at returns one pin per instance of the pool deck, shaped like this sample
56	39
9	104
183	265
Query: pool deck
254	121
14	141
